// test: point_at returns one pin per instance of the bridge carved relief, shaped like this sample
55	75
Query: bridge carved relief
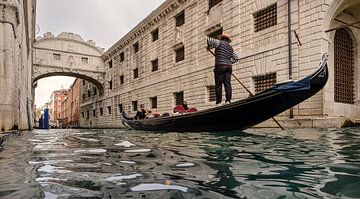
68	55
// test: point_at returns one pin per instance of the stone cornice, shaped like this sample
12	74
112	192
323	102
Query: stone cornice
150	21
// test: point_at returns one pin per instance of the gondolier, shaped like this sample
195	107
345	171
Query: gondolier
224	58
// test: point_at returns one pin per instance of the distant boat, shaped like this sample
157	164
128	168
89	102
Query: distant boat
241	114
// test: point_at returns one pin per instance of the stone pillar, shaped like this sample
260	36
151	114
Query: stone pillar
8	24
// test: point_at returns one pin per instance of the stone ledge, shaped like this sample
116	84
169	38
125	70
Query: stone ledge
329	122
4	136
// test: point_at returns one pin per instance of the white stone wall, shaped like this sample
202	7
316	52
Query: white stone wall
261	53
16	37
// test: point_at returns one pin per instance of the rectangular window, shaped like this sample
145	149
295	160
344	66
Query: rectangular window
84	60
136	73
110	64
265	18
211	93
179	97
109	110
179	54
155	34
94	113
88	115
153	102
82	114
136	47
264	82
213	3
215	34
101	111
122	57
95	91
120	108
180	19
89	93
134	105
56	56
84	96
121	79
154	65
110	85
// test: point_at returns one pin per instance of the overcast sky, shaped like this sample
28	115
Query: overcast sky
104	21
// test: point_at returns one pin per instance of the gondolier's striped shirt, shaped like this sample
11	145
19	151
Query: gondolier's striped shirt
224	53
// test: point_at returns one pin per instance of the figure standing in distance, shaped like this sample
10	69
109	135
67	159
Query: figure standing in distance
224	58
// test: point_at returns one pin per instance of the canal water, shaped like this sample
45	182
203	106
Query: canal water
300	163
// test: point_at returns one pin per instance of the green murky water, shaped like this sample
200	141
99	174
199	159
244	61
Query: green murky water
301	163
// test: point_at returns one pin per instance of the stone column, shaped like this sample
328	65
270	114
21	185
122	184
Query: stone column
8	24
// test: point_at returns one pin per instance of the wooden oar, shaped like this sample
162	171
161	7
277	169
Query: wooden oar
247	90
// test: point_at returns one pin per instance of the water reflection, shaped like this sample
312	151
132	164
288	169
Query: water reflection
302	163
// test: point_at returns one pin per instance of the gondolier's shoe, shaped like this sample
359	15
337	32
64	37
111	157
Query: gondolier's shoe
218	104
227	102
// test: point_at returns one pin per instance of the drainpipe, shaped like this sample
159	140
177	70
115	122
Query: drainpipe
289	51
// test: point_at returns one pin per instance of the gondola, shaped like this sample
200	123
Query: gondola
241	114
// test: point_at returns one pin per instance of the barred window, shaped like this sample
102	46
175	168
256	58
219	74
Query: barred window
121	79
95	91
56	56
344	67
264	82
180	19
120	108
153	102
213	3
84	60
180	54
134	105
110	64
136	47
179	98
122	57
109	110
211	93
265	18
136	73
215	34
155	34
154	65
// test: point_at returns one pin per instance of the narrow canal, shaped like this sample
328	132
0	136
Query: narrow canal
302	163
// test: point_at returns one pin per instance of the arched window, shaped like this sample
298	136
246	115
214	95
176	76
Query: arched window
344	67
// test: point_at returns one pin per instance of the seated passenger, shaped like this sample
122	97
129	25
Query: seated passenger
142	113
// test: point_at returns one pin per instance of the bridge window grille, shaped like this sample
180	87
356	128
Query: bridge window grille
122	57
121	79
155	34
134	105
84	60
179	54
213	3
180	18
136	73
153	102
101	112
109	110
265	18
120	108
154	65
211	93
264	82
56	56
110	64
344	67
136	47
215	34
179	98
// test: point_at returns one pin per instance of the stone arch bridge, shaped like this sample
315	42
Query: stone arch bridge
68	55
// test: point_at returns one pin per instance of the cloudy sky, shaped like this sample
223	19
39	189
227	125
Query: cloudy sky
104	21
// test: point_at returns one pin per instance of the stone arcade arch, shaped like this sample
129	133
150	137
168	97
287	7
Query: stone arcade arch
68	55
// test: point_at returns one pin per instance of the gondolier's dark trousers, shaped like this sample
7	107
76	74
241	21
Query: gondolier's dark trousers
222	75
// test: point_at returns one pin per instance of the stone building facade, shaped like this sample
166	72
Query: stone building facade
163	60
71	106
55	105
17	33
